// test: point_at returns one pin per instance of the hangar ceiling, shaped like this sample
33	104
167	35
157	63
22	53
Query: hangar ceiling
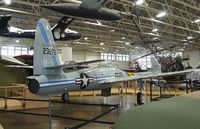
120	36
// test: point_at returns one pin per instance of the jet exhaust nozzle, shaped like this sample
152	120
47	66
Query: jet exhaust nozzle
33	86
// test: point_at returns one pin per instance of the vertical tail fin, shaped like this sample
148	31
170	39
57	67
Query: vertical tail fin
4	22
63	23
45	51
156	68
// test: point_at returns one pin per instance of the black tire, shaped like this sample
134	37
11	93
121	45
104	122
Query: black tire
65	97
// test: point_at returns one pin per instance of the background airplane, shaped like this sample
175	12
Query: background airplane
50	79
87	9
60	31
12	76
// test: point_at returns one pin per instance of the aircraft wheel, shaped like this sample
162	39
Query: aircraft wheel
65	97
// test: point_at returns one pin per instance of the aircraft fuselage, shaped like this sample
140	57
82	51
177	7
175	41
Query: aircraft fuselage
85	79
76	11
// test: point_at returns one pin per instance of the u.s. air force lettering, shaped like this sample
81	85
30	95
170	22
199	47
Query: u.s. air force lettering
84	80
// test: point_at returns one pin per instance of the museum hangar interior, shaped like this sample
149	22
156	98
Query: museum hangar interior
99	64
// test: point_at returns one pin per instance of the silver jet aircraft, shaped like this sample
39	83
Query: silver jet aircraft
51	79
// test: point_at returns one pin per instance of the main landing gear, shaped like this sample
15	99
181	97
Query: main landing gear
65	97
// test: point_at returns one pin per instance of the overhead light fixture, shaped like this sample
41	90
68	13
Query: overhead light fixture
7	2
197	21
103	48
153	34
127	43
86	38
185	44
101	44
161	14
123	37
139	2
96	24
17	41
112	30
136	47
116	50
119	41
154	30
99	23
155	38
189	37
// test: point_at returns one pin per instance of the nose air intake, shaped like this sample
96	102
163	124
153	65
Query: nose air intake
33	86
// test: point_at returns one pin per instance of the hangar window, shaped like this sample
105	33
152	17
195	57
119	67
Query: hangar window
30	52
113	56
18	51
118	57
13	51
164	54
24	51
127	57
145	62
109	56
4	50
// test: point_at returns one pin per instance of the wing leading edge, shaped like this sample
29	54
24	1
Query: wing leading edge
74	65
152	75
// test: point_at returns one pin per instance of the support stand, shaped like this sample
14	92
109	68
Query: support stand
151	83
50	119
187	86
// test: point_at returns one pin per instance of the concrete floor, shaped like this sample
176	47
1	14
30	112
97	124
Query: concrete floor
23	121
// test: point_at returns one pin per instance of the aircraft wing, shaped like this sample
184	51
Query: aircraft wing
74	64
153	75
20	66
89	62
92	5
11	60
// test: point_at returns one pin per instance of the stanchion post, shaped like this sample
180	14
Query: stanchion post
118	110
94	93
135	87
50	120
24	96
150	89
187	86
6	95
146	87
